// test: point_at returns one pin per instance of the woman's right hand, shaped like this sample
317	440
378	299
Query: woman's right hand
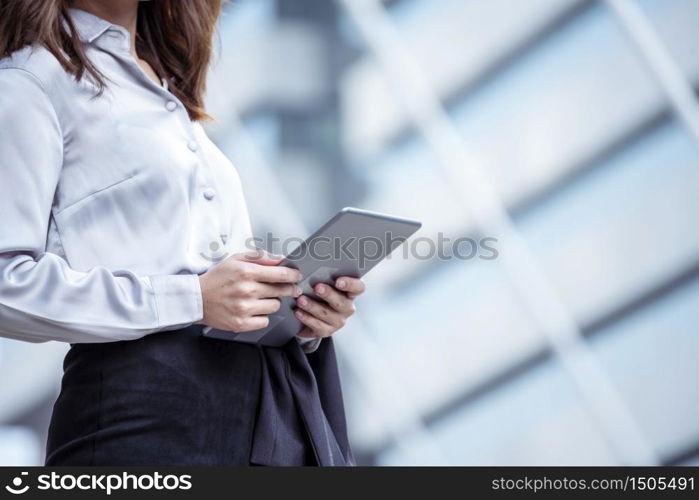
239	292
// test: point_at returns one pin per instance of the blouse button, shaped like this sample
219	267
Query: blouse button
192	145
209	193
171	105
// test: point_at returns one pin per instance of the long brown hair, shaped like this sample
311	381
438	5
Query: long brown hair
173	36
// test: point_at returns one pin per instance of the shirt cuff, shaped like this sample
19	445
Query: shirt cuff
308	345
178	299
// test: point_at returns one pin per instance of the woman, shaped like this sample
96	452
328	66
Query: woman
111	198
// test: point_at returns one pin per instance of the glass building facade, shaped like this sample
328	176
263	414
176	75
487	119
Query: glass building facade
565	130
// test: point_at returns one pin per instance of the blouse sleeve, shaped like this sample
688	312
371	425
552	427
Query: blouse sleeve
41	297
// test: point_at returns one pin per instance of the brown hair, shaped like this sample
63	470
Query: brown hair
173	36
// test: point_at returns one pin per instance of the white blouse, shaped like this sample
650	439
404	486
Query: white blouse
110	206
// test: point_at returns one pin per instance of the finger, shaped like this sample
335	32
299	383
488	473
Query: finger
351	286
337	300
319	328
264	306
276	274
259	256
268	290
321	311
250	324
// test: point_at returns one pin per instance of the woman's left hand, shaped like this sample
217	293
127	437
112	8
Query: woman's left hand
322	319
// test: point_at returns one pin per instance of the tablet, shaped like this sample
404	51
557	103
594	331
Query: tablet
349	244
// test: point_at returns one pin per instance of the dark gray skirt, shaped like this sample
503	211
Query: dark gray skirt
177	398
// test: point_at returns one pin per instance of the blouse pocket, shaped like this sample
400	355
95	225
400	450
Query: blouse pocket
93	194
93	228
95	162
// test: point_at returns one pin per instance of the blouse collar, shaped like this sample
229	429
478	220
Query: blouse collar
90	27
